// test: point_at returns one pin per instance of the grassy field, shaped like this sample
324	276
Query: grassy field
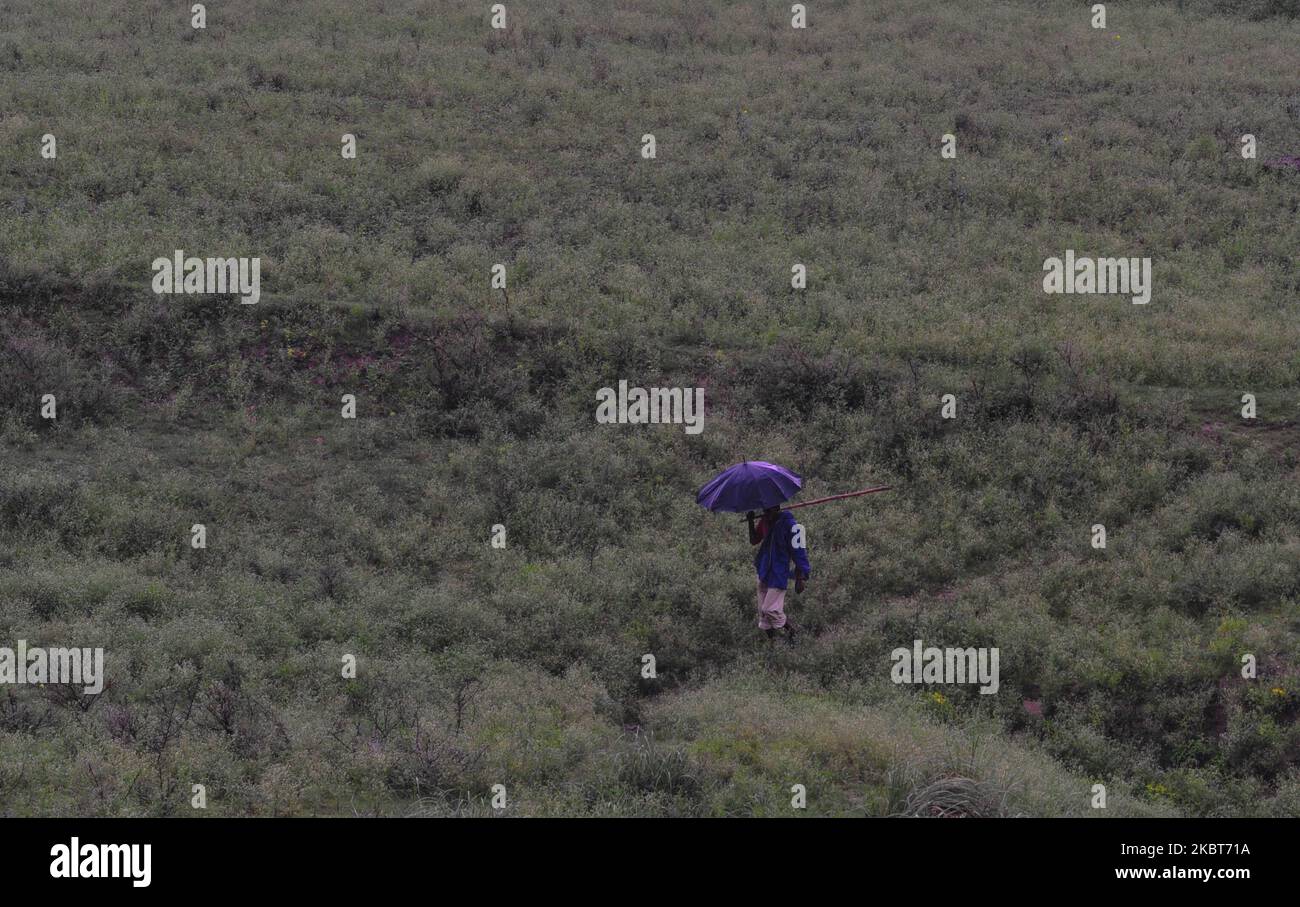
480	666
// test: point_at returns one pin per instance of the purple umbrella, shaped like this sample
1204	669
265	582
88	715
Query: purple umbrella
753	485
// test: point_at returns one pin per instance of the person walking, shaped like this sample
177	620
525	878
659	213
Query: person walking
780	540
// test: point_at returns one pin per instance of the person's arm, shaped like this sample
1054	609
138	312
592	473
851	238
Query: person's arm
754	537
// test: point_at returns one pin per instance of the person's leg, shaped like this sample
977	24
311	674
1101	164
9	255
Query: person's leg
774	608
762	616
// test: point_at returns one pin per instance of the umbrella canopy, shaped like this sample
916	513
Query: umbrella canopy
752	485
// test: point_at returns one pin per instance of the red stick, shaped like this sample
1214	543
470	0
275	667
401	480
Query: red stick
838	497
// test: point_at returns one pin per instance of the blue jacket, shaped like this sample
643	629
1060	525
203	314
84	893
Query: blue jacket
776	551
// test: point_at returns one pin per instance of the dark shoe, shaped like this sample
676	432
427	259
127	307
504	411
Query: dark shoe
771	634
790	633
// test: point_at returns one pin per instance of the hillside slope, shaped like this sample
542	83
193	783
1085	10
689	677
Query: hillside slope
522	666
